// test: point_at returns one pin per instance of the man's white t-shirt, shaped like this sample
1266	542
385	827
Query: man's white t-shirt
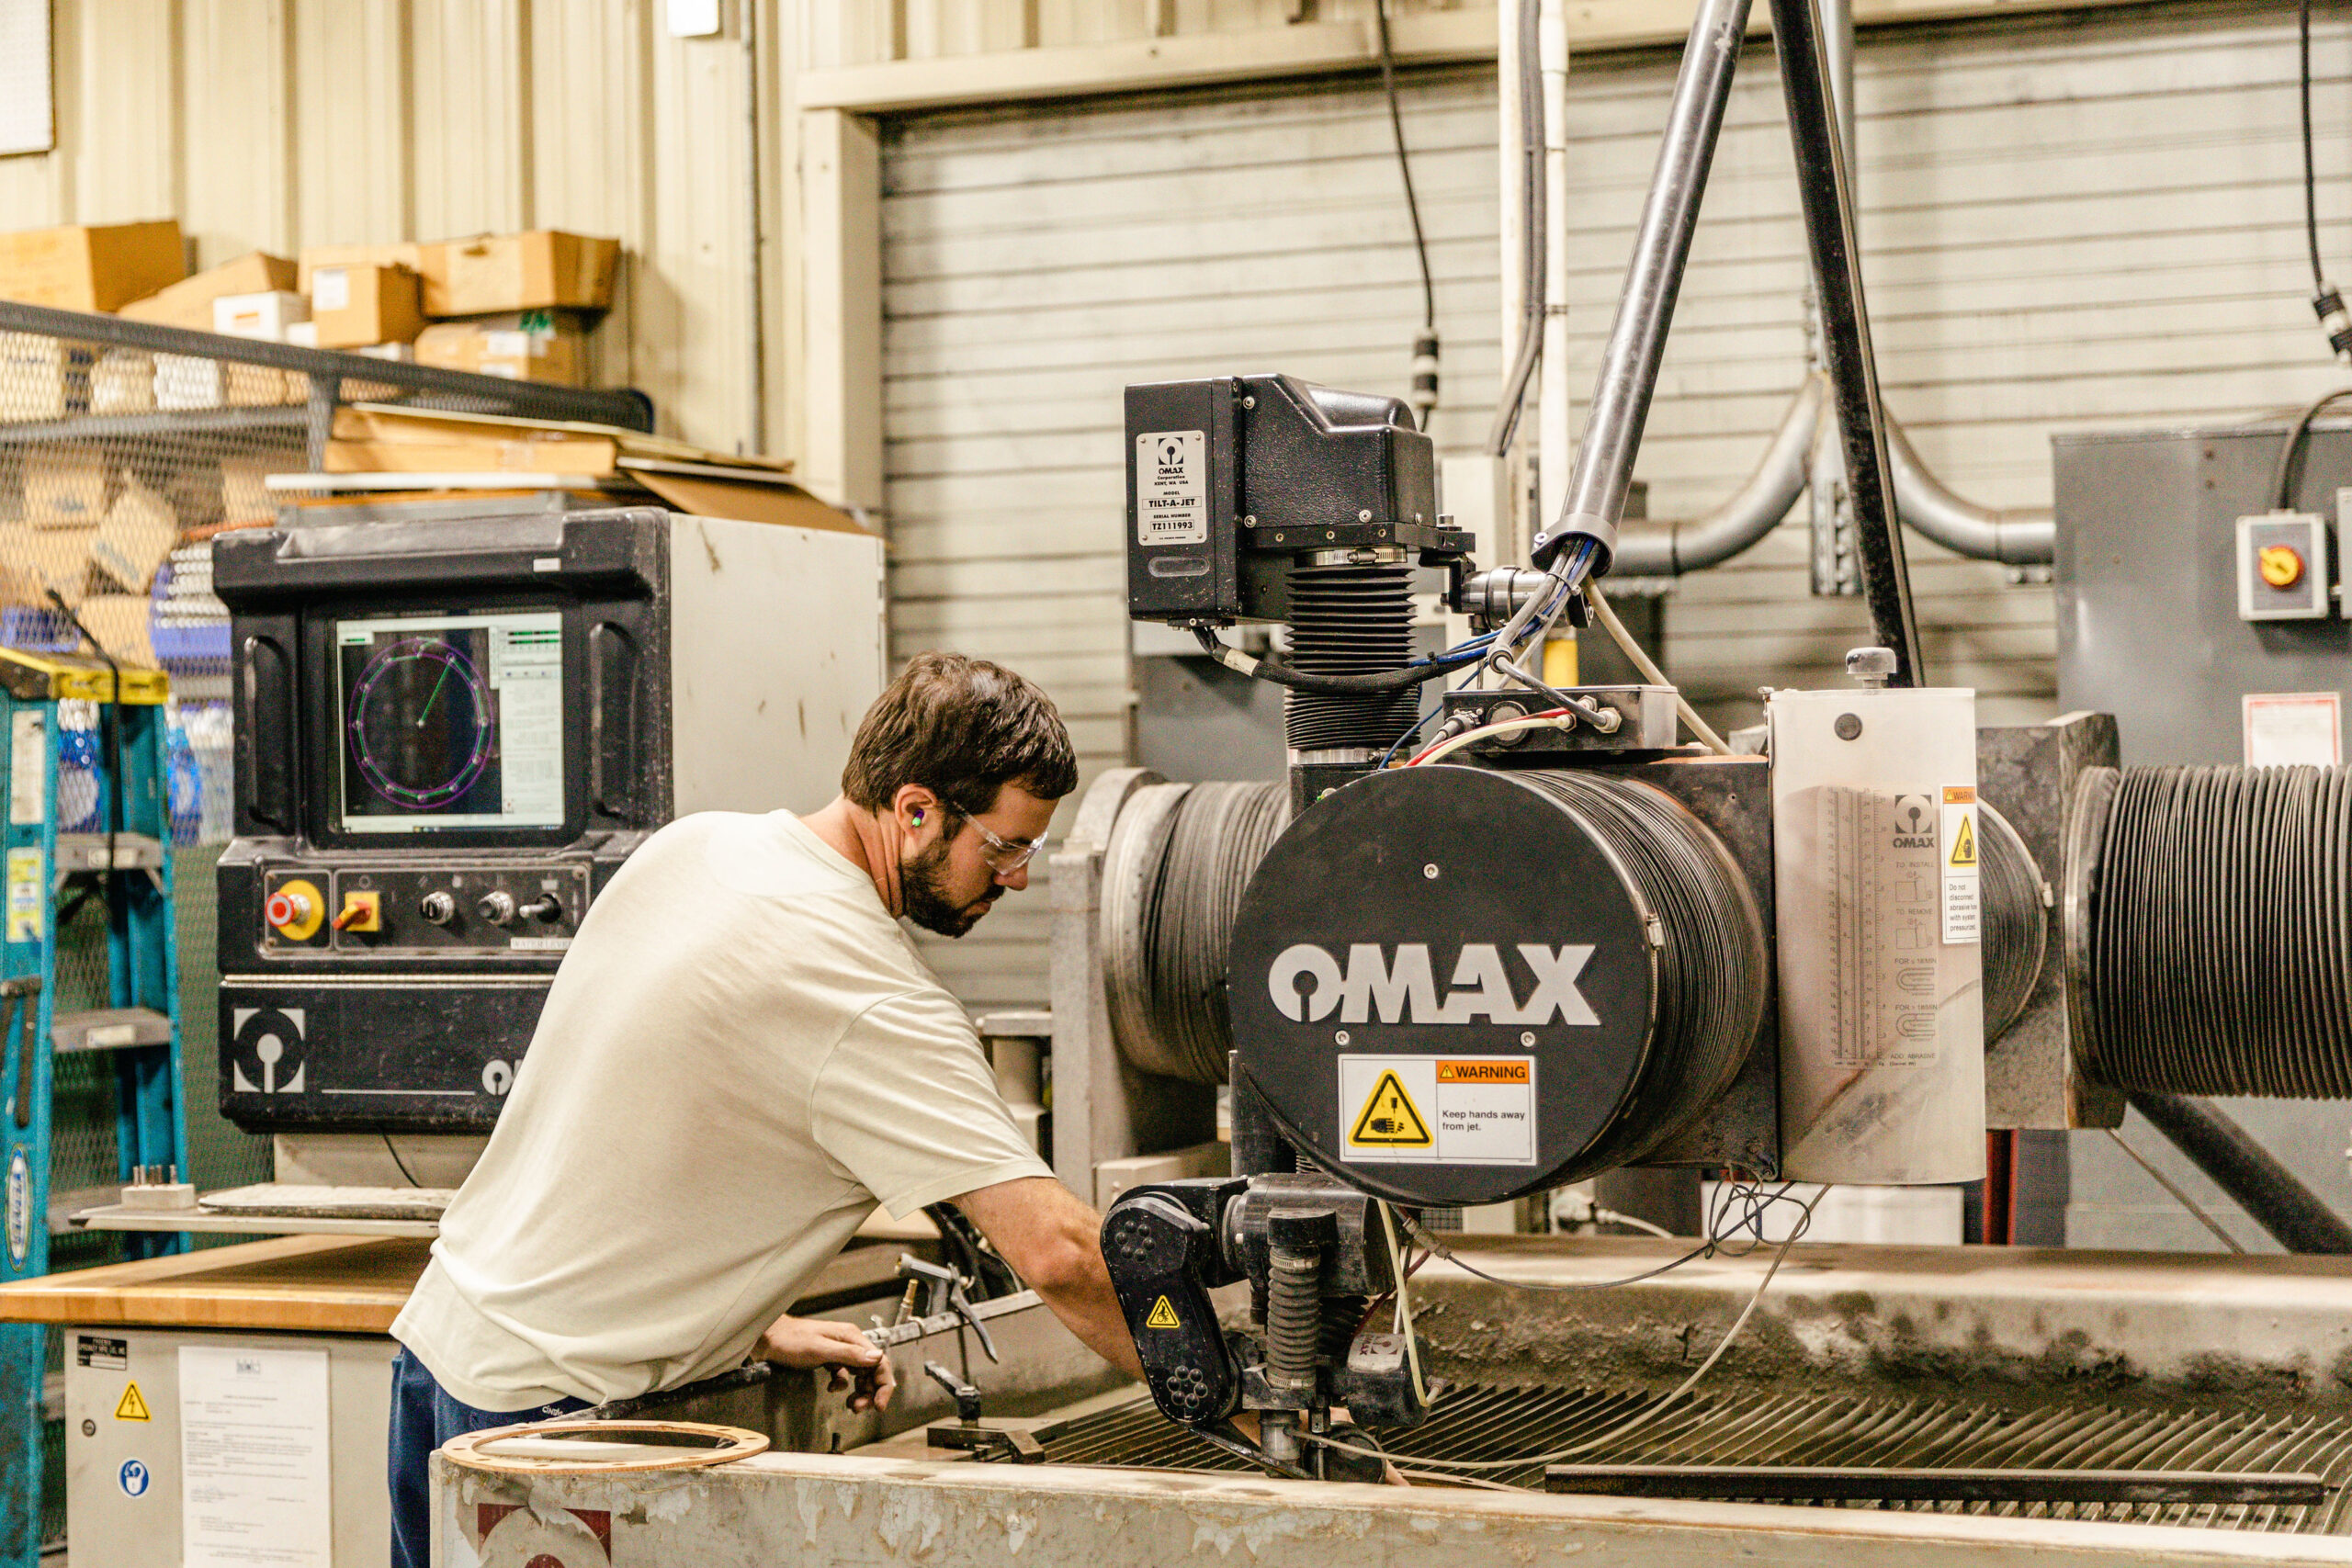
740	1057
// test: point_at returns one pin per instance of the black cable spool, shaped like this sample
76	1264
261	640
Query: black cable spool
1350	619
1453	872
2210	937
1184	853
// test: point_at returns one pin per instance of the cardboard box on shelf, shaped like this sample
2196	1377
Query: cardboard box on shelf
398	352
314	257
34	561
136	537
265	316
244	499
123	381
194	381
543	270
355	306
530	345
120	623
302	335
90	268
189	304
65	488
590	456
42	377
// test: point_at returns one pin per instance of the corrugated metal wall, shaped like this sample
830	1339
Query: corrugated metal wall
268	124
2067	222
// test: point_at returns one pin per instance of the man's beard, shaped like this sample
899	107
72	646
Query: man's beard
925	900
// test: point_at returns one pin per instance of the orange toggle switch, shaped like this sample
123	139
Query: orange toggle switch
361	912
296	911
2282	565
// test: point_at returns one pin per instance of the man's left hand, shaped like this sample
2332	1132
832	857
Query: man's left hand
856	1362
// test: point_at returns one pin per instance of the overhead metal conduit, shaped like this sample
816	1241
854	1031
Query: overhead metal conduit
2013	536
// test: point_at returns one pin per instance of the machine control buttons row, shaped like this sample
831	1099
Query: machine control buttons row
451	909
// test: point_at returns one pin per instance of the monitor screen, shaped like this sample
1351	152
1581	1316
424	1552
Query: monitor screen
451	721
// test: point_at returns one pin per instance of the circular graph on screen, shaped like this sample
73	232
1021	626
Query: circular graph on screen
422	724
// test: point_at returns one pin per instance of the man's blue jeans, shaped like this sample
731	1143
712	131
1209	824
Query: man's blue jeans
424	1417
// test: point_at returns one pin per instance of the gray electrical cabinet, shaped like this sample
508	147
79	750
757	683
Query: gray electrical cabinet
2152	619
125	1441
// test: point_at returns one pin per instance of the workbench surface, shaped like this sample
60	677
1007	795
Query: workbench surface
318	1285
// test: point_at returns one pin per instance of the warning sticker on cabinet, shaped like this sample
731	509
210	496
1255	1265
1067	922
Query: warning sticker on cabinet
1172	488
1437	1111
1962	854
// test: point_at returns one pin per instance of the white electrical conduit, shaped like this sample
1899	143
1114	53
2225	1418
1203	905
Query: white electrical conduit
1650	671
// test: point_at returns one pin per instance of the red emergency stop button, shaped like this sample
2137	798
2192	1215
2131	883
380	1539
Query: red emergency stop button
296	911
2282	565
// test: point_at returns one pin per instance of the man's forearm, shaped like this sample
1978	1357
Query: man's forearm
1088	1308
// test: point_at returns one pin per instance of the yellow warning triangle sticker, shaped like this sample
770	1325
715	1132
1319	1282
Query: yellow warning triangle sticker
1389	1119
1162	1315
130	1407
1963	843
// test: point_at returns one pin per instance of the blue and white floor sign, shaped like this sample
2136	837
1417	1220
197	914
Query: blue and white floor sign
132	1478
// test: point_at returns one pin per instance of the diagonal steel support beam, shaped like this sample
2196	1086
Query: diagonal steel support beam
1825	185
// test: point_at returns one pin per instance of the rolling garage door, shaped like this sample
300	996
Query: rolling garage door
2125	186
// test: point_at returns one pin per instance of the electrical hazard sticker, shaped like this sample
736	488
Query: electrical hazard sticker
132	1407
1962	856
1162	1315
1437	1111
1172	488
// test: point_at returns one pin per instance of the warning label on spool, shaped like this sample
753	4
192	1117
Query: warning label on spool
1390	1119
1961	858
1162	1315
1437	1111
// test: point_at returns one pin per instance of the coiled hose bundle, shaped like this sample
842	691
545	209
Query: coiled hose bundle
1174	875
2209	941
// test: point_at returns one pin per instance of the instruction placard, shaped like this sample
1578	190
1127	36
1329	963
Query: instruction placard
1962	854
1172	488
1437	1111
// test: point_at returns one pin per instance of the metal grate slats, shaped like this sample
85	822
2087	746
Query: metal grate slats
1481	1422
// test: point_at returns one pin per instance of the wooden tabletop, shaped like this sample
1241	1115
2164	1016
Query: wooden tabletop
320	1284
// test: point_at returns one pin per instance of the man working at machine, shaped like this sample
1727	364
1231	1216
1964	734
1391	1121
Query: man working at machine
741	1057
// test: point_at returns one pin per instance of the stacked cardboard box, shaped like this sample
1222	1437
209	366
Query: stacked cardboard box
91	268
512	305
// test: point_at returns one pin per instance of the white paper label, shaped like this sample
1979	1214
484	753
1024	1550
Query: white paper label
1437	1109
1883	851
331	288
1962	854
1172	488
2285	729
254	1477
27	768
27	895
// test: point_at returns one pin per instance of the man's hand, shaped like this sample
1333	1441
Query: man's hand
857	1363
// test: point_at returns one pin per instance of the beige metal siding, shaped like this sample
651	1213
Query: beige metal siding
1035	265
2067	222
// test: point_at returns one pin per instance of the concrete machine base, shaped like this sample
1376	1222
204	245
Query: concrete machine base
2123	1361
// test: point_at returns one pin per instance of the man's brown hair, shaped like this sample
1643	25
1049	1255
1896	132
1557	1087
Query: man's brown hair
963	729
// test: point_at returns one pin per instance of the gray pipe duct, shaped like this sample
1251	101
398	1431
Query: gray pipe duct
1672	549
2014	537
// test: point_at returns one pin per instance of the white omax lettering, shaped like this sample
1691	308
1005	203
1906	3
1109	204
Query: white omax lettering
1307	986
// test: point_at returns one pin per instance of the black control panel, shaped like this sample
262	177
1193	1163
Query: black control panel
449	737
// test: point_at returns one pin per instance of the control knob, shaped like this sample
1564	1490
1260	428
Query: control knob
496	907
439	908
549	909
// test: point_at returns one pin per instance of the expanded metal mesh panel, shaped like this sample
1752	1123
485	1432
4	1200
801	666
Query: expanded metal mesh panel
1779	1428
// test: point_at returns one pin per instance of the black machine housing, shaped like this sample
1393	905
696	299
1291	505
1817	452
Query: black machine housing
1231	479
419	1023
